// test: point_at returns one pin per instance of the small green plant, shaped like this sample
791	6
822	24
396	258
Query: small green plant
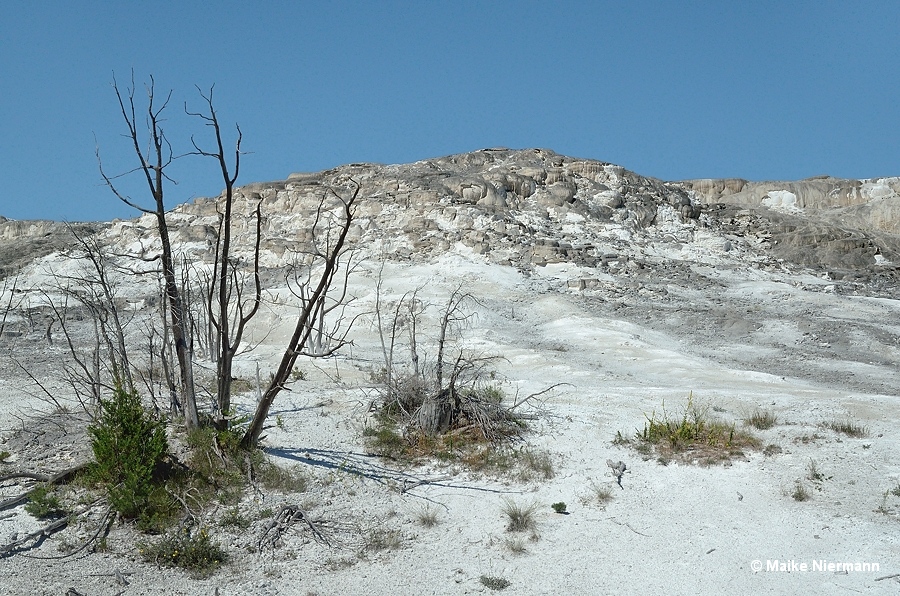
800	493
847	427
44	503
384	439
762	419
813	474
233	518
559	507
493	582
128	445
620	439
896	490
193	551
521	517
102	545
4	455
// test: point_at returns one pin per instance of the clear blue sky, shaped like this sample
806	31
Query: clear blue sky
671	89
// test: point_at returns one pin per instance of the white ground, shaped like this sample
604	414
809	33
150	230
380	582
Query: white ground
676	528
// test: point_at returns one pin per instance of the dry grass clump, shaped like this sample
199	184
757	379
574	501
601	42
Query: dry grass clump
695	435
427	517
467	447
800	493
761	419
847	427
521	517
494	583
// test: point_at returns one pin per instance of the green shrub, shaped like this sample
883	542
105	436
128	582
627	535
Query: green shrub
43	503
128	445
559	507
193	551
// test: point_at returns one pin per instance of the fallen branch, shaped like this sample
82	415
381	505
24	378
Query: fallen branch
408	487
39	535
618	470
627	525
105	521
59	477
281	522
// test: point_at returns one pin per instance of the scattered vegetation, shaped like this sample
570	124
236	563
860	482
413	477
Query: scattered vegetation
800	493
233	518
771	449
493	582
521	517
446	404
762	419
896	490
600	494
694	435
559	507
380	539
847	427
193	551
522	463
814	474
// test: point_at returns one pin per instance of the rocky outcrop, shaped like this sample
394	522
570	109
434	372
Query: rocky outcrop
531	208
867	204
22	241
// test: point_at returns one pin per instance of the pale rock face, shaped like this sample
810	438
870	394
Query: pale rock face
781	200
532	207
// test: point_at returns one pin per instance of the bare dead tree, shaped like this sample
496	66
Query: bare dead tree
97	292
229	309
12	289
323	267
152	164
452	316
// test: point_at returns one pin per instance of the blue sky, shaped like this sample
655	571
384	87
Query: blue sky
761	90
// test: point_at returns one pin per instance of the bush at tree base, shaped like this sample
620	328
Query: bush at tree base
128	444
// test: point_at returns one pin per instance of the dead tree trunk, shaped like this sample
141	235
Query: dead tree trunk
153	166
230	313
312	309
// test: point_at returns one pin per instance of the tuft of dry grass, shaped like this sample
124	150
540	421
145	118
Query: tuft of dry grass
761	420
800	493
521	517
847	427
427	517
